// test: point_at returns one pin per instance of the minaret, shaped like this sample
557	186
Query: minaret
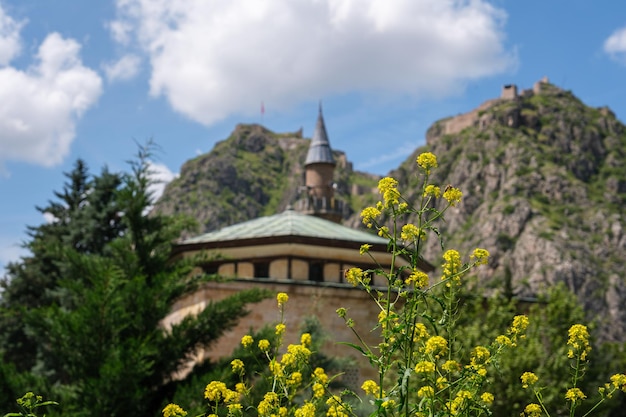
318	177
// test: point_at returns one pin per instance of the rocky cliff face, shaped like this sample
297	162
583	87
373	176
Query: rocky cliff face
254	172
544	183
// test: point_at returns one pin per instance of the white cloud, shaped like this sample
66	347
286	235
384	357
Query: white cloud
39	106
123	69
615	45
161	175
213	59
10	251
10	44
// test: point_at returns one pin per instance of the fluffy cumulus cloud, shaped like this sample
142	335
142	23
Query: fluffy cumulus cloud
211	59
161	175
39	106
615	45
123	69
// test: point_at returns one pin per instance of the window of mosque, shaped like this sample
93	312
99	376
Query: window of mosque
261	269
316	271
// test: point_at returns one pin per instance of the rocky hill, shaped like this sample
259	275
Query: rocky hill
544	180
254	172
542	174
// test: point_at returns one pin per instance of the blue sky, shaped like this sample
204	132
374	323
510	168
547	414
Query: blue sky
88	80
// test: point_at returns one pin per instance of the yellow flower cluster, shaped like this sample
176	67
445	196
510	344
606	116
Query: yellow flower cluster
280	328
306	340
268	405
247	341
264	345
426	161
173	410
388	188
365	248
412	233
574	395
451	366
487	398
354	276
480	355
419	278
216	391
237	366
369	215
528	379
452	195
578	342
619	381
282	298
370	387
425	392
451	266
307	410
424	367
436	346
432	191
533	410
336	408
481	256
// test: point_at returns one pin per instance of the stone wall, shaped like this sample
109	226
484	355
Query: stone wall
306	299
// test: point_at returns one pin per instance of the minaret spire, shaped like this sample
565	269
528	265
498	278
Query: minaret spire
319	171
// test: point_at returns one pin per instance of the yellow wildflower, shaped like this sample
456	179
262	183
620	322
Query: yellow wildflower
268	404
425	392
307	410
305	339
365	248
480	355
432	191
354	276
419	278
420	332
436	346
503	340
318	390
235	408
276	368
247	340
282	298
370	387
441	382
215	391
487	398
369	215
424	367
280	328
520	323
237	365
451	266
295	379
426	161
452	195
412	232
388	188
533	410
240	387
173	410
574	395
481	255
320	375
451	366
619	381
528	378
578	341
264	345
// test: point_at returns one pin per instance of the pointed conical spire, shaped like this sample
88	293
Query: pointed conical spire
319	150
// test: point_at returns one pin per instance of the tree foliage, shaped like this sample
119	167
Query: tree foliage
82	314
